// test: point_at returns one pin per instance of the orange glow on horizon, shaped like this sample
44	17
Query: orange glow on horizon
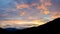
21	22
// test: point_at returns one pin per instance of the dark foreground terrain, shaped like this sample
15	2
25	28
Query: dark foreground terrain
52	26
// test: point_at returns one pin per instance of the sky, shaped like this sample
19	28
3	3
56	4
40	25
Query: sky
43	10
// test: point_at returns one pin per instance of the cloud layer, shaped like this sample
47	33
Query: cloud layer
29	10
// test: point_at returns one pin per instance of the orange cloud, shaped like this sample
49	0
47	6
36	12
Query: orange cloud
46	12
56	15
22	13
43	6
21	6
48	3
38	7
41	1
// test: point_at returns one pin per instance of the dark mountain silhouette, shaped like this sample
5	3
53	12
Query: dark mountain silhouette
52	26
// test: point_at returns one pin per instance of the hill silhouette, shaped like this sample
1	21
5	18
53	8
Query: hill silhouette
52	26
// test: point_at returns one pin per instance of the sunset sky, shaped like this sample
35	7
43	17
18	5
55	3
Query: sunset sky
29	10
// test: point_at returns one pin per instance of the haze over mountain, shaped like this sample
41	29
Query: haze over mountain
50	26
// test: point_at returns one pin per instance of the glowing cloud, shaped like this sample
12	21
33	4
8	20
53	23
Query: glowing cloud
48	3
21	6
43	6
19	23
55	15
22	13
